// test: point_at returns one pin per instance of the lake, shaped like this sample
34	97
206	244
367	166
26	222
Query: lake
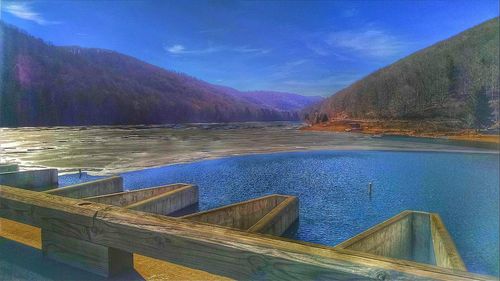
106	150
332	187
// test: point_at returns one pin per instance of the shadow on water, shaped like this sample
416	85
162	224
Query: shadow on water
291	232
186	211
21	262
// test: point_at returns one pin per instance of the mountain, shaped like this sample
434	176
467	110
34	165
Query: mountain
279	101
46	85
455	80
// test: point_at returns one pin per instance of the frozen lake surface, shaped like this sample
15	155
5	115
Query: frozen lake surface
115	149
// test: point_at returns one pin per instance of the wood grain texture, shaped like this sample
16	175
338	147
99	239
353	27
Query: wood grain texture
445	250
241	215
147	268
101	260
91	188
279	219
168	202
126	198
410	235
35	179
222	251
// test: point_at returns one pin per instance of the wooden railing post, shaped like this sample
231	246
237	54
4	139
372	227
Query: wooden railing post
98	259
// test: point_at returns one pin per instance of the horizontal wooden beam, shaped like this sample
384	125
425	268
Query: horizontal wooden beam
168	202
207	247
279	219
129	197
91	188
240	215
32	179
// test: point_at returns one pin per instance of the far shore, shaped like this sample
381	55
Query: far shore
378	128
115	150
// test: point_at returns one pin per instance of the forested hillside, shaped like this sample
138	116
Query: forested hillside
43	85
456	79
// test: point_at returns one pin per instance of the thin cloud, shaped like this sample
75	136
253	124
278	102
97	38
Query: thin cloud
24	11
369	42
178	49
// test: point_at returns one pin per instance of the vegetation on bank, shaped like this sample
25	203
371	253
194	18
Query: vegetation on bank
456	79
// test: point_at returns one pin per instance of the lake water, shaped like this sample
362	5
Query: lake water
332	188
115	149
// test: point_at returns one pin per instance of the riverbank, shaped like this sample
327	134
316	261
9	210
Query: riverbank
423	129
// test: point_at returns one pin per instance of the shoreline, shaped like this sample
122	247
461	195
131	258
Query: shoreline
103	152
385	128
344	148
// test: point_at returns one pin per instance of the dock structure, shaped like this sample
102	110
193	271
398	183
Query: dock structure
410	235
32	179
100	234
272	214
162	200
89	189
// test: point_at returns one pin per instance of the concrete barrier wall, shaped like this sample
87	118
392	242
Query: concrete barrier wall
168	202
130	197
445	250
279	219
91	188
242	215
35	179
6	168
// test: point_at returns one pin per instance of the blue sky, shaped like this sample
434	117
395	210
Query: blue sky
310	47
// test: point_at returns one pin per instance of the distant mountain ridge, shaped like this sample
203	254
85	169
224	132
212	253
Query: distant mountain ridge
455	79
280	101
46	85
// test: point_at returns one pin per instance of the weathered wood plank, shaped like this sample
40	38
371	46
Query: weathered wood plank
168	202
241	215
126	198
101	260
207	247
412	235
35	179
91	188
446	252
279	219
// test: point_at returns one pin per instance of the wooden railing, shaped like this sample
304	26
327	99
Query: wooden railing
222	251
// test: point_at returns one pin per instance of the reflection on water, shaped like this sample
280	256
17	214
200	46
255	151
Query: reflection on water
113	149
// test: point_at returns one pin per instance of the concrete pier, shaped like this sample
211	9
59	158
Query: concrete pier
33	179
91	188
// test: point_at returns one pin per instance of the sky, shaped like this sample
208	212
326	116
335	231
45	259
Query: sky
304	47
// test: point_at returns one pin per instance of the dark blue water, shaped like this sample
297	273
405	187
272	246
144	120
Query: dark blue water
332	187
